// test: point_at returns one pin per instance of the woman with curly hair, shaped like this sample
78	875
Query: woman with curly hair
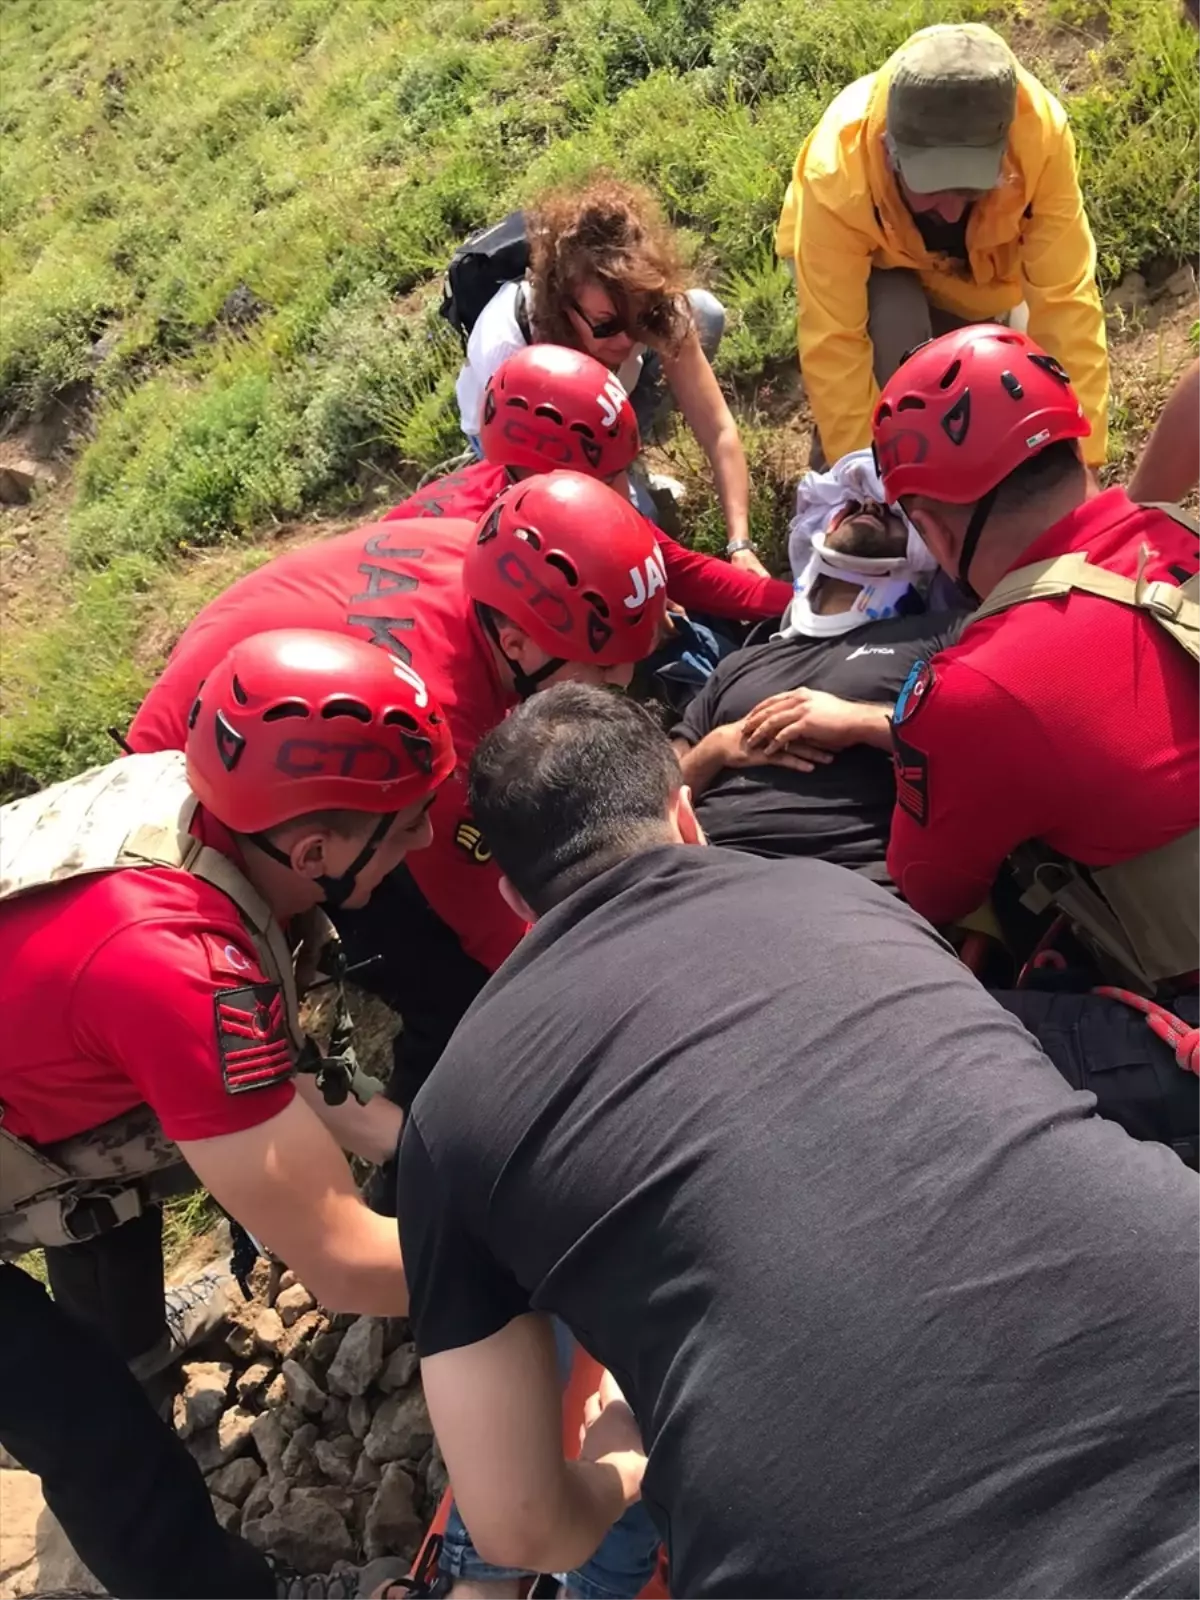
605	278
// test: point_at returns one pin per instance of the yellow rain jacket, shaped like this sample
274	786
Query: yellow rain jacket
1028	239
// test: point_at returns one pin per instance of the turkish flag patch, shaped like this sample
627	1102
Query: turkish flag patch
252	1037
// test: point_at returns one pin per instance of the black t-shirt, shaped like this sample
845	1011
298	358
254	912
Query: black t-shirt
943	238
896	1312
840	813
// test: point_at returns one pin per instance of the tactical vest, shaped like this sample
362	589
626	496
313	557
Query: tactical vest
63	1193
1141	917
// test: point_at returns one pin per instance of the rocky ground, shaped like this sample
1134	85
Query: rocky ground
311	1432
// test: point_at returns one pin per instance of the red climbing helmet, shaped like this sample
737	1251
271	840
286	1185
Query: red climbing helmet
965	410
548	407
573	564
298	720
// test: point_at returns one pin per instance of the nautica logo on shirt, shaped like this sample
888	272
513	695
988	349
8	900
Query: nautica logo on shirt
871	650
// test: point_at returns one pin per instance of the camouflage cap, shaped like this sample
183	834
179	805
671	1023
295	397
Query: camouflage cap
952	97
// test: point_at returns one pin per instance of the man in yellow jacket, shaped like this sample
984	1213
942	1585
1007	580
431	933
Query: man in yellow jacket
937	191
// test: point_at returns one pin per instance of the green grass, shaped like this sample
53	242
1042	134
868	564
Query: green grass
160	161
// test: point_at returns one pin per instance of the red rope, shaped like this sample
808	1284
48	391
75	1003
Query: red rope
1172	1030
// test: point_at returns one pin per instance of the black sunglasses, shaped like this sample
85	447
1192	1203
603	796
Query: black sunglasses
606	328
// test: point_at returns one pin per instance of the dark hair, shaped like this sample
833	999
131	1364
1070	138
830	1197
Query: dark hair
575	780
1041	474
613	234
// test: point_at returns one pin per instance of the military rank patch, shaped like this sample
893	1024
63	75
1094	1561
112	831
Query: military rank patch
469	840
912	778
252	1037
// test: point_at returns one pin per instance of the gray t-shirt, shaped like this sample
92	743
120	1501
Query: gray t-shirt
896	1312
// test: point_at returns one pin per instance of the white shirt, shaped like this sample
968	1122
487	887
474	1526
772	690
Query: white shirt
496	336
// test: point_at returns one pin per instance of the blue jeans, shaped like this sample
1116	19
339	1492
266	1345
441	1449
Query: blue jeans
621	1567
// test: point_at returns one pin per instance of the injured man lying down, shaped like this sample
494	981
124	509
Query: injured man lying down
787	747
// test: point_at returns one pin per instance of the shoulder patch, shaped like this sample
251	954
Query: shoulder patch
913	692
227	959
252	1037
470	840
912	779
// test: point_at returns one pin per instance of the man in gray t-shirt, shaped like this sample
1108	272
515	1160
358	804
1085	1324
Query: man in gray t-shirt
895	1312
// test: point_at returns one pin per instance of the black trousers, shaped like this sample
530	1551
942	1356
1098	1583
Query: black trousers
1106	1047
129	1496
114	1283
402	951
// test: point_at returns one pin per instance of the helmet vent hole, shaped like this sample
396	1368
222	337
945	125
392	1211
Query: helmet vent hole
402	719
346	708
582	427
1012	385
951	372
194	712
958	419
551	413
285	708
1050	365
239	694
883	413
557	560
531	537
597	602
516	401
490	528
910	402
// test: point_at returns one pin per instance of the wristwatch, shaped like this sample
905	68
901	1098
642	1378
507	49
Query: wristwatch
735	546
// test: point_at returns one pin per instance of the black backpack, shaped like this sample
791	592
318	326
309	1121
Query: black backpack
494	256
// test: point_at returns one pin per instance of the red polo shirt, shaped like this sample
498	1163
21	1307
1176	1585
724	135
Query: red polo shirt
397	585
1072	721
137	987
697	582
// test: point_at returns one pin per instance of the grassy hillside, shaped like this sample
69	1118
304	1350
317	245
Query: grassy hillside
222	223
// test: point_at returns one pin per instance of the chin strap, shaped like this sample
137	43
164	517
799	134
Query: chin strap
336	890
982	511
525	683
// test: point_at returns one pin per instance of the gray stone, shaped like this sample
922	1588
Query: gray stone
301	1334
253	1380
292	1303
358	1417
1129	295
269	1331
240	1341
205	1389
298	1460
309	1533
205	1449
234	1482
333	1415
323	1348
329	1495
19	479
290	1416
400	1370
1181	285
335	1457
269	1439
367	1473
359	1358
392	1527
257	1505
395	1331
436	1478
400	1429
234	1433
374	1574
228	1515
303	1391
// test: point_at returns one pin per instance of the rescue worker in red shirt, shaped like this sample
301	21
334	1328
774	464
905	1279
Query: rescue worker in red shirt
1061	732
152	1039
562	580
548	408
